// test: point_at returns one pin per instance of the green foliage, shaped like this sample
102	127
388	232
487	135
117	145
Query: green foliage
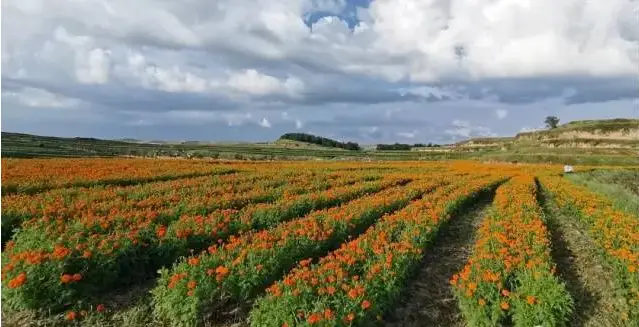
323	141
189	291
620	186
393	147
551	122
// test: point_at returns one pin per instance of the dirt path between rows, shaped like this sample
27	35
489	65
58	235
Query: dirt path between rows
429	299
588	278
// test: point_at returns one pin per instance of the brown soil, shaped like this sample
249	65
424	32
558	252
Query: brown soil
429	299
588	278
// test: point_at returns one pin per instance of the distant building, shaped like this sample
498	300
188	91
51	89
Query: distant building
567	169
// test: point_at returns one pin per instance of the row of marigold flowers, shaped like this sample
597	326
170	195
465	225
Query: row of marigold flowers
510	276
76	202
37	175
129	218
614	231
96	204
358	283
242	268
103	206
37	266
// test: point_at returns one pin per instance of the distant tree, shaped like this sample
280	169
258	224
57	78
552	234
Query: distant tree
551	122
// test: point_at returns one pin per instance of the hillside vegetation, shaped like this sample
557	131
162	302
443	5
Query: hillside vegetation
610	134
319	140
600	146
620	133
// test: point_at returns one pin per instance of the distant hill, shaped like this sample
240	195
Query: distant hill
291	144
487	142
612	133
596	142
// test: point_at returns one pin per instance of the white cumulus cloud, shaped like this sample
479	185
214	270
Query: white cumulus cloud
265	123
38	98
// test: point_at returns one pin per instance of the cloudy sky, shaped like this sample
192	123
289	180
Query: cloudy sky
366	71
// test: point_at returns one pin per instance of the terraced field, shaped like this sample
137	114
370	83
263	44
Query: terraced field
129	242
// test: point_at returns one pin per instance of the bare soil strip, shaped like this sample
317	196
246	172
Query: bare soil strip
429	300
588	278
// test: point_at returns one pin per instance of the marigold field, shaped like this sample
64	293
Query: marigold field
211	243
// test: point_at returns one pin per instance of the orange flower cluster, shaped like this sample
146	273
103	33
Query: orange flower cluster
616	232
88	232
222	223
73	240
31	175
357	282
93	205
18	280
510	273
274	251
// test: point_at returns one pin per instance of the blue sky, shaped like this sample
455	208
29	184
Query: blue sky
366	71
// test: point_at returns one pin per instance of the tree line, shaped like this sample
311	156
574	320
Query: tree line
323	141
404	147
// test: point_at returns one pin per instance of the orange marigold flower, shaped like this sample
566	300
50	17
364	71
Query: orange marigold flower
221	270
59	252
350	317
328	314
161	231
366	304
194	261
275	290
77	277
531	299
314	318
504	306
505	292
482	302
66	278
71	315
18	281
191	284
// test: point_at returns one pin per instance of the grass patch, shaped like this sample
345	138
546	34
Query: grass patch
621	186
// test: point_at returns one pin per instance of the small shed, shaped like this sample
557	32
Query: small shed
568	169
